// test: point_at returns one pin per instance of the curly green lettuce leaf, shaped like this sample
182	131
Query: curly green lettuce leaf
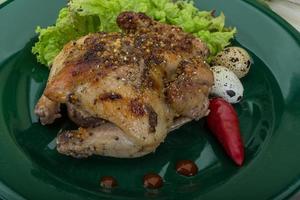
69	26
86	16
216	41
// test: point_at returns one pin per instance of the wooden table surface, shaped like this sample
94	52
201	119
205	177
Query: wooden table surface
288	9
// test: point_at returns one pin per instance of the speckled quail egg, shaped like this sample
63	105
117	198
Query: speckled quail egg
226	85
234	58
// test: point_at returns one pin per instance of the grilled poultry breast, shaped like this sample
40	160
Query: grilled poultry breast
127	90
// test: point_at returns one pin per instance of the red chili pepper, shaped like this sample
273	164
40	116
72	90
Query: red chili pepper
224	123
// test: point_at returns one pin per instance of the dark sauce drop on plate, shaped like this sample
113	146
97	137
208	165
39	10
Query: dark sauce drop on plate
153	181
186	168
108	182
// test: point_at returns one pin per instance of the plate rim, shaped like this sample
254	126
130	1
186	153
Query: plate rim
7	192
290	191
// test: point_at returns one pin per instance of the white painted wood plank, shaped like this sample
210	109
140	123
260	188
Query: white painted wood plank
295	1
2	1
289	10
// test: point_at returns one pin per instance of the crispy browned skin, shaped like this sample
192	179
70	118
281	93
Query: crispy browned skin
138	80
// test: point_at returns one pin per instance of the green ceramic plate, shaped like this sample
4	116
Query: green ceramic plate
30	167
